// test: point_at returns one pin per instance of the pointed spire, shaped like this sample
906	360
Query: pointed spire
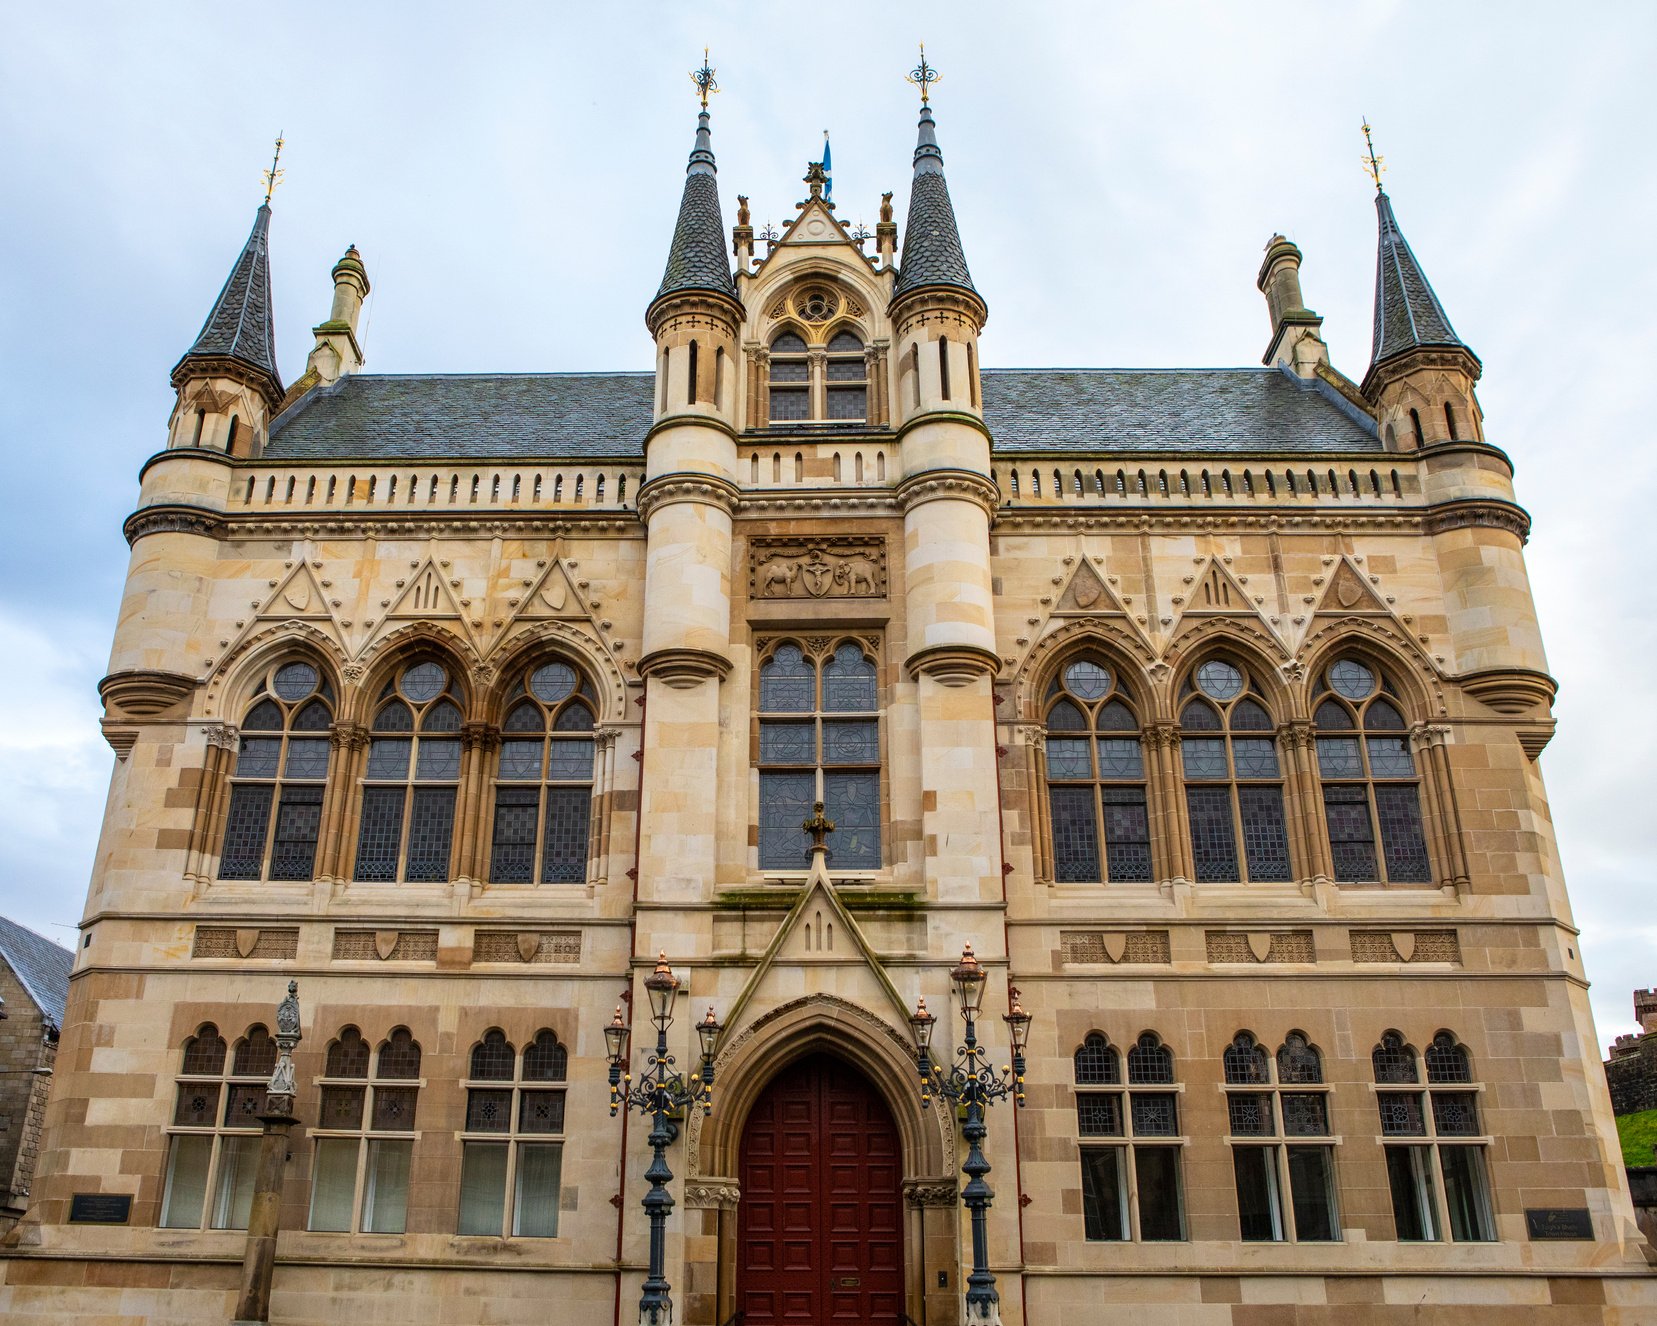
240	327
696	260
1407	312
932	253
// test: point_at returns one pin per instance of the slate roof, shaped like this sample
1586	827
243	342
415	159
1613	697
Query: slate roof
932	253
603	415
1407	312
240	325
41	966
696	259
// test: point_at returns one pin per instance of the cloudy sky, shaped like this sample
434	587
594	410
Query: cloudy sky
511	173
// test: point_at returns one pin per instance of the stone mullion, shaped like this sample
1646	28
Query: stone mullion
816	358
874	369
1299	739
1439	811
758	384
342	807
1170	825
479	741
598	823
211	795
1033	739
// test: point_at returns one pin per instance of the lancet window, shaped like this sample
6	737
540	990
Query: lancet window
1130	1141
829	384
213	1147
413	774
1096	777
544	779
365	1135
281	772
1293	1107
512	1148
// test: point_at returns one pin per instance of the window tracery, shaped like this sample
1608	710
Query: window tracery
1096	777
412	777
512	1143
365	1135
544	778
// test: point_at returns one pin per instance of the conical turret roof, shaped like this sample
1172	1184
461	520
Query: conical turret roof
1407	312
932	253
240	326
696	260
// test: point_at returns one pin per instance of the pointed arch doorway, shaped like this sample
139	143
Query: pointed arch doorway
820	1225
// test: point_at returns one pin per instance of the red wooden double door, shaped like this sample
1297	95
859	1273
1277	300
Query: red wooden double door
820	1235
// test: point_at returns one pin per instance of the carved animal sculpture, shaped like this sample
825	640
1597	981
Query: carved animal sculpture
857	574
778	574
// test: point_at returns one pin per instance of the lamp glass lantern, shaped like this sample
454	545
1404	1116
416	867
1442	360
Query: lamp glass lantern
969	979
661	985
921	1024
615	1038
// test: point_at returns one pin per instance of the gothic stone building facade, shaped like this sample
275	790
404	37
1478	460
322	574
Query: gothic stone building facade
1204	704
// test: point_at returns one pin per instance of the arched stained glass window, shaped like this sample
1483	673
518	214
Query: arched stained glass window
409	787
213	1139
1394	1061
1150	1062
544	780
512	1144
1233	778
1369	778
1096	1062
1096	777
282	763
819	740
848	385
790	379
365	1146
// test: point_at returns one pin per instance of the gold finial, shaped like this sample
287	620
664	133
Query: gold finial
923	76
703	78
1372	164
273	176
818	826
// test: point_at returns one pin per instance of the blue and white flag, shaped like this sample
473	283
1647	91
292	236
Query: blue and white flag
828	172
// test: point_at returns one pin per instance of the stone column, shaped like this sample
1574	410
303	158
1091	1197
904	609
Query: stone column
265	1220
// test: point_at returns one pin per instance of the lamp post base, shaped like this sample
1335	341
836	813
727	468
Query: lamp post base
983	1314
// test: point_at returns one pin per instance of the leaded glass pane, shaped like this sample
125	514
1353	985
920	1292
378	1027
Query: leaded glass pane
395	717
552	682
541	1112
1199	717
1298	1063
443	717
1338	758
394	1108
1096	1063
1254	757
348	1056
524	718
1383	716
298	821
1204	757
1115	717
1351	836
1265	836
1127	835
1150	1063
1087	679
784	805
307	759
791	403
1447	1061
849	681
1455	1114
788	743
489	1111
1099	1114
1246	716
431	822
1067	757
1334	716
845	343
258	757
204	1054
1401	837
439	761
294	681
512	856
1250	1114
493	1058
424	681
575	718
852	801
851	742
197	1105
1351	679
1389	757
1219	680
1155	1114
521	760
1245	1061
1394	1061
314	717
266	716
787	683
1401	1114
1065	717
244	1104
545	1060
1305	1114
400	1056
847	402
388	758
1120	757
244	831
570	761
1075	834
788	370
341	1107
1213	841
564	850
846	370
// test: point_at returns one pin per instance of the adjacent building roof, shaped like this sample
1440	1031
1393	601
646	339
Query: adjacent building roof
603	415
1407	312
932	253
40	965
696	259
241	326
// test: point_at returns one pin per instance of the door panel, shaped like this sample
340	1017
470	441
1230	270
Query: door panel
820	1234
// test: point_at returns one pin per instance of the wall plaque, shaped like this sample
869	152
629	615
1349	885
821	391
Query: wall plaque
828	568
1559	1222
100	1208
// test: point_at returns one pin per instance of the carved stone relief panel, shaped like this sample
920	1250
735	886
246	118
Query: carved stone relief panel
829	568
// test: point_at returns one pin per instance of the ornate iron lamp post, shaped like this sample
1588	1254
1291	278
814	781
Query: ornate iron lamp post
971	1083
661	1095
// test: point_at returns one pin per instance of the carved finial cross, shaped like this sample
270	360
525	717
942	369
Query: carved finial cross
819	826
1373	166
923	76
273	176
703	78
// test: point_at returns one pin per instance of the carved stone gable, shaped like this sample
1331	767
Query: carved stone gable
834	568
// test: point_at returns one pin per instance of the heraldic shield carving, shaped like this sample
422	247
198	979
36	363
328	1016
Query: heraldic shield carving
817	568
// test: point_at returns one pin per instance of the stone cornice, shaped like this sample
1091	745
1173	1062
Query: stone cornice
945	485
1463	447
1485	512
209	454
718	309
945	417
953	665
927	302
1382	375
138	694
173	518
703	489
409	524
194	366
1510	690
684	668
686	419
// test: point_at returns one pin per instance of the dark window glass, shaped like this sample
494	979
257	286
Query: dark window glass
1099	1114
348	1056
394	1108
536	827
1298	1064
1410	1179
512	857
1155	1114
564	855
1351	836
400	1056
1265	835
852	801
1312	1187
1305	1114
1259	1217
1467	1193
244	835
1108	811
1150	1063
1399	809
1096	1063
1393	1061
204	1053
1212	845
1447	1061
1104	1193
1455	1114
430	827
545	1060
1075	834
1401	1114
784	805
382	829
1127	834
493	1058
244	1104
341	1107
255	1054
298	821
1156	1170
1250	1114
198	1105
489	1111
541	1112
1245	1061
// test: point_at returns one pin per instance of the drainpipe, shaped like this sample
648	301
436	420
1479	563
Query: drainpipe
627	998
1007	948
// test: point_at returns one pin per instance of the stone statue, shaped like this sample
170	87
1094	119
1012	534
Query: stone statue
886	207
741	209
